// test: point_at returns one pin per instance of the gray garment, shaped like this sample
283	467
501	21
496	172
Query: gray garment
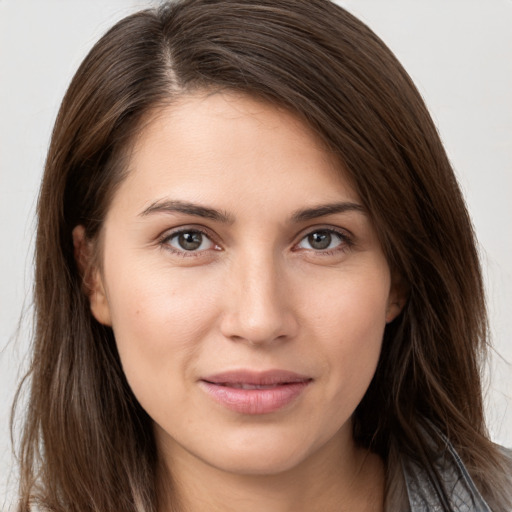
411	490
455	481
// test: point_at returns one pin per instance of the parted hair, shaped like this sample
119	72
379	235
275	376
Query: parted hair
87	445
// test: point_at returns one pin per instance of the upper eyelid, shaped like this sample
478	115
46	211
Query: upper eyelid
163	242
345	234
171	232
342	232
346	238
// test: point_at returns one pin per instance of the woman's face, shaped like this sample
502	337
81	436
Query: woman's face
245	285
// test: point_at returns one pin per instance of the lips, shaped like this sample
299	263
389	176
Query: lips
248	386
249	392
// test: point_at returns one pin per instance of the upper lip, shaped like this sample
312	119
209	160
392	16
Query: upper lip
256	378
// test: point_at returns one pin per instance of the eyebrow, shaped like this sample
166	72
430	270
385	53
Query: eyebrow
176	206
326	209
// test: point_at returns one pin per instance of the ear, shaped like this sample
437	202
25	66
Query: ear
397	298
92	280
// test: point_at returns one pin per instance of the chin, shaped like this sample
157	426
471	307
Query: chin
261	454
265	463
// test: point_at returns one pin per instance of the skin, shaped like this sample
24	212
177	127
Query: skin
257	294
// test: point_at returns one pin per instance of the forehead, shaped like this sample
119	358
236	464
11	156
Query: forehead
207	146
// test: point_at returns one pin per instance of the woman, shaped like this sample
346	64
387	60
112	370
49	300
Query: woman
256	280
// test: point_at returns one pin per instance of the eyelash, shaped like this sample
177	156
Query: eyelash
346	241
164	240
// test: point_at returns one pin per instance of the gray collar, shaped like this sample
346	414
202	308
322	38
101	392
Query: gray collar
454	480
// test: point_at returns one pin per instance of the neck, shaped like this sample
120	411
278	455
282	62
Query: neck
337	478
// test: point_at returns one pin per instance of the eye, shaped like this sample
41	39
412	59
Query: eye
323	240
190	240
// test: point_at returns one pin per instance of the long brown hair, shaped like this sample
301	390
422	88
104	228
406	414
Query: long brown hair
87	444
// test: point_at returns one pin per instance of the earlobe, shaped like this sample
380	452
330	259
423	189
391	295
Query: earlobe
393	310
99	303
92	280
397	299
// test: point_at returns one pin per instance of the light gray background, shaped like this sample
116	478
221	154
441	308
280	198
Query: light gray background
459	52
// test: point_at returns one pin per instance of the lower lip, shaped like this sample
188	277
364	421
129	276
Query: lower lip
255	401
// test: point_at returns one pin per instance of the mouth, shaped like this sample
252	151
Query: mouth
249	392
241	385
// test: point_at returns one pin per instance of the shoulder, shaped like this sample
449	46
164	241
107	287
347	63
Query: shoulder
499	493
507	455
447	485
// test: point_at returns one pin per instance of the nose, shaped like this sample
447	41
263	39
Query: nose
258	307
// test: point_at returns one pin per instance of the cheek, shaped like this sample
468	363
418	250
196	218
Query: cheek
158	324
349	318
152	301
348	304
